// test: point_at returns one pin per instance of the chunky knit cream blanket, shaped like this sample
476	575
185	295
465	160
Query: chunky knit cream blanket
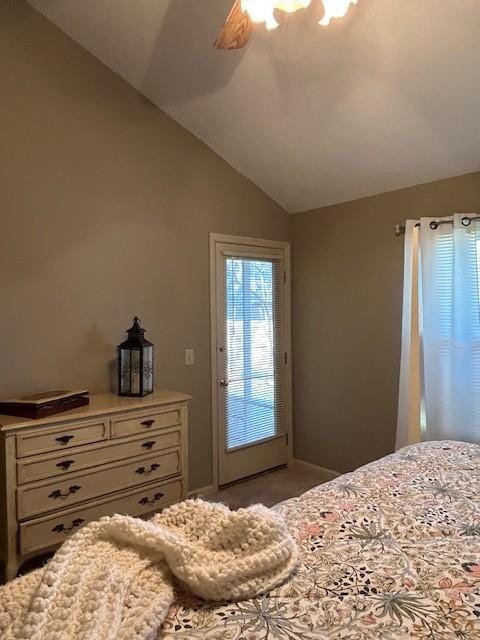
113	579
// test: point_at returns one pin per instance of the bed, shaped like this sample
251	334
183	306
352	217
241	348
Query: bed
389	551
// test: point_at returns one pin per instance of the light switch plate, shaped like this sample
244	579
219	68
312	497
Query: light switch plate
189	357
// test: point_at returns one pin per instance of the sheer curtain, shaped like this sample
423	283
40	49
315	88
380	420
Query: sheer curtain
440	370
409	400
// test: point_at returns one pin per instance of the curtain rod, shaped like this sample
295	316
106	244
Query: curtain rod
399	229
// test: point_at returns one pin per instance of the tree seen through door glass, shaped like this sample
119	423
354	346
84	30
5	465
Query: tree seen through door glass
250	400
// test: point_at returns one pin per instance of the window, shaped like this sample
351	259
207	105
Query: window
440	372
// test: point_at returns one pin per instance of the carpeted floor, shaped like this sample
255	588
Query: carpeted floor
268	488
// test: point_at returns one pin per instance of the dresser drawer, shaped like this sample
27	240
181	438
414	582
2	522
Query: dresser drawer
33	469
62	492
144	423
60	437
43	533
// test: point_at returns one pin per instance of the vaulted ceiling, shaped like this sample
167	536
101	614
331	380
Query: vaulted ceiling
385	98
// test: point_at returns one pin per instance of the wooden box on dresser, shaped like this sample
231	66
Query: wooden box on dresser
116	455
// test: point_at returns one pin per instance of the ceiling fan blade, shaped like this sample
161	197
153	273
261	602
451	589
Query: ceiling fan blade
236	30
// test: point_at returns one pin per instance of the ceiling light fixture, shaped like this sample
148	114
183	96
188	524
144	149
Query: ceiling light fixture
238	26
263	10
290	6
335	9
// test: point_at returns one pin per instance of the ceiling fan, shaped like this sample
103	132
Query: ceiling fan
238	26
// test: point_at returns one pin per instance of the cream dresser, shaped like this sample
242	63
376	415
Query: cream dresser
116	455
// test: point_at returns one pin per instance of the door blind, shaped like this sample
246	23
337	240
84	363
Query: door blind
255	359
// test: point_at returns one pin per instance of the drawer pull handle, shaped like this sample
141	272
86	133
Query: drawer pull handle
61	528
147	423
148	445
58	492
157	496
142	470
64	439
65	464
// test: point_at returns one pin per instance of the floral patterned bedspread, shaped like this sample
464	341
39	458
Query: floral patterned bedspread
388	552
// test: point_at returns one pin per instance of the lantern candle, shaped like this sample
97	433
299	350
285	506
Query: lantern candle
135	363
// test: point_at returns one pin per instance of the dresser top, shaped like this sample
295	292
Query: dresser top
100	404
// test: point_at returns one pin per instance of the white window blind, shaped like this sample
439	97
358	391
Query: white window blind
256	404
450	316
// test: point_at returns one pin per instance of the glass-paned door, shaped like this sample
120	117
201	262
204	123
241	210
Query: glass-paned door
251	361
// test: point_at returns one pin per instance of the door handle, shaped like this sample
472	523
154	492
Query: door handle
223	382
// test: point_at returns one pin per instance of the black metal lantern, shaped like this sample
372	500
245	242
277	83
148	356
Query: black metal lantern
135	363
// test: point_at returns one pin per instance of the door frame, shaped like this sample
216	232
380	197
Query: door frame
218	238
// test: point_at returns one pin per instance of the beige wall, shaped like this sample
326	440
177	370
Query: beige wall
105	209
348	277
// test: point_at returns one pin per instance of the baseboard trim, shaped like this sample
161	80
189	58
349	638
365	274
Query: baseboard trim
202	492
323	473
